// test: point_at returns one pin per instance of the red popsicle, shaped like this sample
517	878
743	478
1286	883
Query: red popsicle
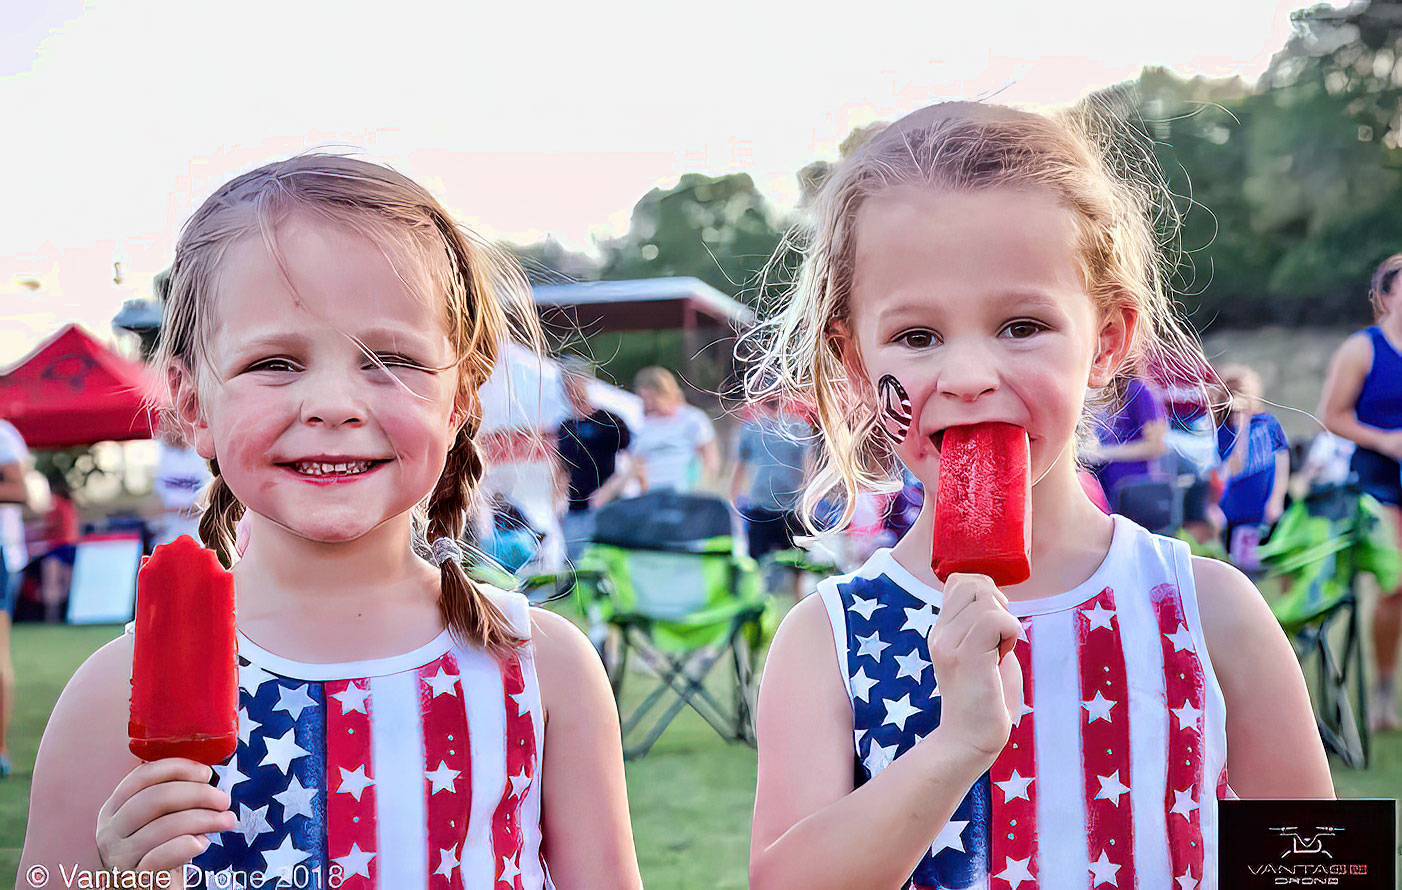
983	503
184	671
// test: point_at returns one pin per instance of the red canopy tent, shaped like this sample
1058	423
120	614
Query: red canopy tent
73	390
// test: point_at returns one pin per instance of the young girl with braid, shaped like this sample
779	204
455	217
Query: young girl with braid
400	725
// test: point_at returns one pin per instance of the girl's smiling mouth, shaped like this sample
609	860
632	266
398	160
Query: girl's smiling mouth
333	469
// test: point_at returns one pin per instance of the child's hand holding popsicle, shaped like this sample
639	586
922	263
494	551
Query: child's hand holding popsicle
183	713
979	679
982	533
157	817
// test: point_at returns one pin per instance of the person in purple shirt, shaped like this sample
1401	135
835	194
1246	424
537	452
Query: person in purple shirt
1131	440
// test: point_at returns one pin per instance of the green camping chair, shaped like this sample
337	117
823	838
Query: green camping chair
663	580
1320	548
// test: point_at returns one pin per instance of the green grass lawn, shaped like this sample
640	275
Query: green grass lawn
691	797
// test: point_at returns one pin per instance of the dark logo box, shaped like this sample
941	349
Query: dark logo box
1349	844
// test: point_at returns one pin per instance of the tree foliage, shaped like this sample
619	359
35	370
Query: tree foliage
718	229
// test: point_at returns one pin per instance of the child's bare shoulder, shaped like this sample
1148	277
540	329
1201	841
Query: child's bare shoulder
83	754
1242	633
573	686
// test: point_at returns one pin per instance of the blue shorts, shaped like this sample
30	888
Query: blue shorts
1378	475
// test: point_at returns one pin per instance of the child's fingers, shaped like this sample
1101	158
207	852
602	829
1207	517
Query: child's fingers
151	804
170	769
988	632
174	853
154	844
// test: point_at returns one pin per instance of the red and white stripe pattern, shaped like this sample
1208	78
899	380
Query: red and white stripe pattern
1127	726
1013	787
419	770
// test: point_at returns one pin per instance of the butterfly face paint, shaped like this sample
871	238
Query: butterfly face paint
893	408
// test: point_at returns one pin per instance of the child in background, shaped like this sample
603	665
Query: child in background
328	329
974	263
1256	460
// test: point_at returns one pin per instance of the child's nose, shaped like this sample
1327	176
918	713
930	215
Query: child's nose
968	372
332	402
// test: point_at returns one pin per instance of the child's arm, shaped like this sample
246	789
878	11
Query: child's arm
1273	746
92	804
811	829
1275	504
588	838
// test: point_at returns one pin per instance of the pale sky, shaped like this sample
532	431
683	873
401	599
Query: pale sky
523	118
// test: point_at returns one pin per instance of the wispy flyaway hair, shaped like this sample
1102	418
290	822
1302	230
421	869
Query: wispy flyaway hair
1110	183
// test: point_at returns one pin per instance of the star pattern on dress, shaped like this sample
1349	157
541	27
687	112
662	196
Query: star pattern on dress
1098	708
442	779
865	608
282	751
921	620
246	726
1015	787
1110	788
229	776
1186	881
1103	871
872	646
950	837
252	822
861	684
280	863
879	758
1183	803
1187	715
252	678
296	800
1181	639
523	706
911	665
356	862
447	861
442	683
293	699
899	711
520	782
1098	617
1015	872
509	870
352	698
1022	711
354	782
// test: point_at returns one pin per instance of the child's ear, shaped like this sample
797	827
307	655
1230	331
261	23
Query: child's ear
844	342
1119	326
185	399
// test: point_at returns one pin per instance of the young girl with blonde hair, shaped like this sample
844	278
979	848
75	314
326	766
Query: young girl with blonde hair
975	263
327	332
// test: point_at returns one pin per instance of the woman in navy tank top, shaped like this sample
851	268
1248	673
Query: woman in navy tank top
1362	401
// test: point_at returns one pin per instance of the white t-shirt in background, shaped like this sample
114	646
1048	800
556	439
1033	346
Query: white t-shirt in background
668	444
13	450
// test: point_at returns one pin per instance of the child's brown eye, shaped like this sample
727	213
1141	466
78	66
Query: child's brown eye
272	364
1021	330
917	339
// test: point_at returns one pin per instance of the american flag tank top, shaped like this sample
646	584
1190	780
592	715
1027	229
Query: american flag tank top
413	771
1115	764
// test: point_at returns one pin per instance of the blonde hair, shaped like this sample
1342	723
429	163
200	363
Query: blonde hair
484	294
661	381
962	146
1384	280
